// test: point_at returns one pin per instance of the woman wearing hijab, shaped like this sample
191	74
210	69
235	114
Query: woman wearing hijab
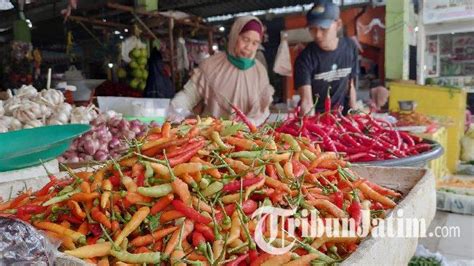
233	76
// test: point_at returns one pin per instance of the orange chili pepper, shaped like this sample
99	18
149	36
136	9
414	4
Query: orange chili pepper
100	217
161	204
81	196
76	209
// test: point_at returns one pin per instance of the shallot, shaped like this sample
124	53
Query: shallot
107	138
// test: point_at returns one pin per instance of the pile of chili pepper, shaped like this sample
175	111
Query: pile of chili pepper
360	137
185	195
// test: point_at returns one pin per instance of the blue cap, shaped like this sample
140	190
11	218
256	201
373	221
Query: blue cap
323	14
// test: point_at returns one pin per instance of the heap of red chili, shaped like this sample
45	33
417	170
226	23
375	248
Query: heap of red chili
359	136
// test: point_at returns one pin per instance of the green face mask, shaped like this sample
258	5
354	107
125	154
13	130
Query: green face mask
240	63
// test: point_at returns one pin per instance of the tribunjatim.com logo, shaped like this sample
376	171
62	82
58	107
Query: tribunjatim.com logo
282	225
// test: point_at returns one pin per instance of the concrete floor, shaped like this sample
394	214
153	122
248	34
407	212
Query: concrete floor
457	250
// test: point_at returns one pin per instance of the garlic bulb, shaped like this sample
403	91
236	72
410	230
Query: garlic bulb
10	122
11	104
58	119
2	110
28	111
45	111
26	91
83	115
33	124
52	97
63	108
15	124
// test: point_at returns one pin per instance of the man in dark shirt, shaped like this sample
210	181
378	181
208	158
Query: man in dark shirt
327	63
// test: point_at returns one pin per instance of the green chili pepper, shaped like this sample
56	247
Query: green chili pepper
280	171
247	154
148	170
212	189
204	183
127	217
155	191
61	198
292	142
152	257
217	139
311	156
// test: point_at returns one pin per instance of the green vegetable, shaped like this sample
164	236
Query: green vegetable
424	261
212	189
152	257
155	191
61	198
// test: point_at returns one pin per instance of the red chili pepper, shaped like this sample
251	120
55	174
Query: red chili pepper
361	157
253	255
198	239
271	171
206	231
407	138
115	180
238	260
95	229
63	183
376	206
24	217
45	190
249	206
244	119
340	147
191	146
350	140
338	199
126	203
328	143
327	101
422	147
19	200
30	209
185	157
140	180
348	123
69	218
190	212
298	168
92	240
236	185
355	211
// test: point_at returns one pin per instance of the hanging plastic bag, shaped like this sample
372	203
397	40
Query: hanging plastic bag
467	145
182	55
283	60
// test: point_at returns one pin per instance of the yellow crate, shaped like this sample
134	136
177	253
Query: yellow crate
439	165
439	101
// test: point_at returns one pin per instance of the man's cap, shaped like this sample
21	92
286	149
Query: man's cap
322	14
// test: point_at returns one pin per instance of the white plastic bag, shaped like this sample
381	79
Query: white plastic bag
283	60
182	55
128	45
